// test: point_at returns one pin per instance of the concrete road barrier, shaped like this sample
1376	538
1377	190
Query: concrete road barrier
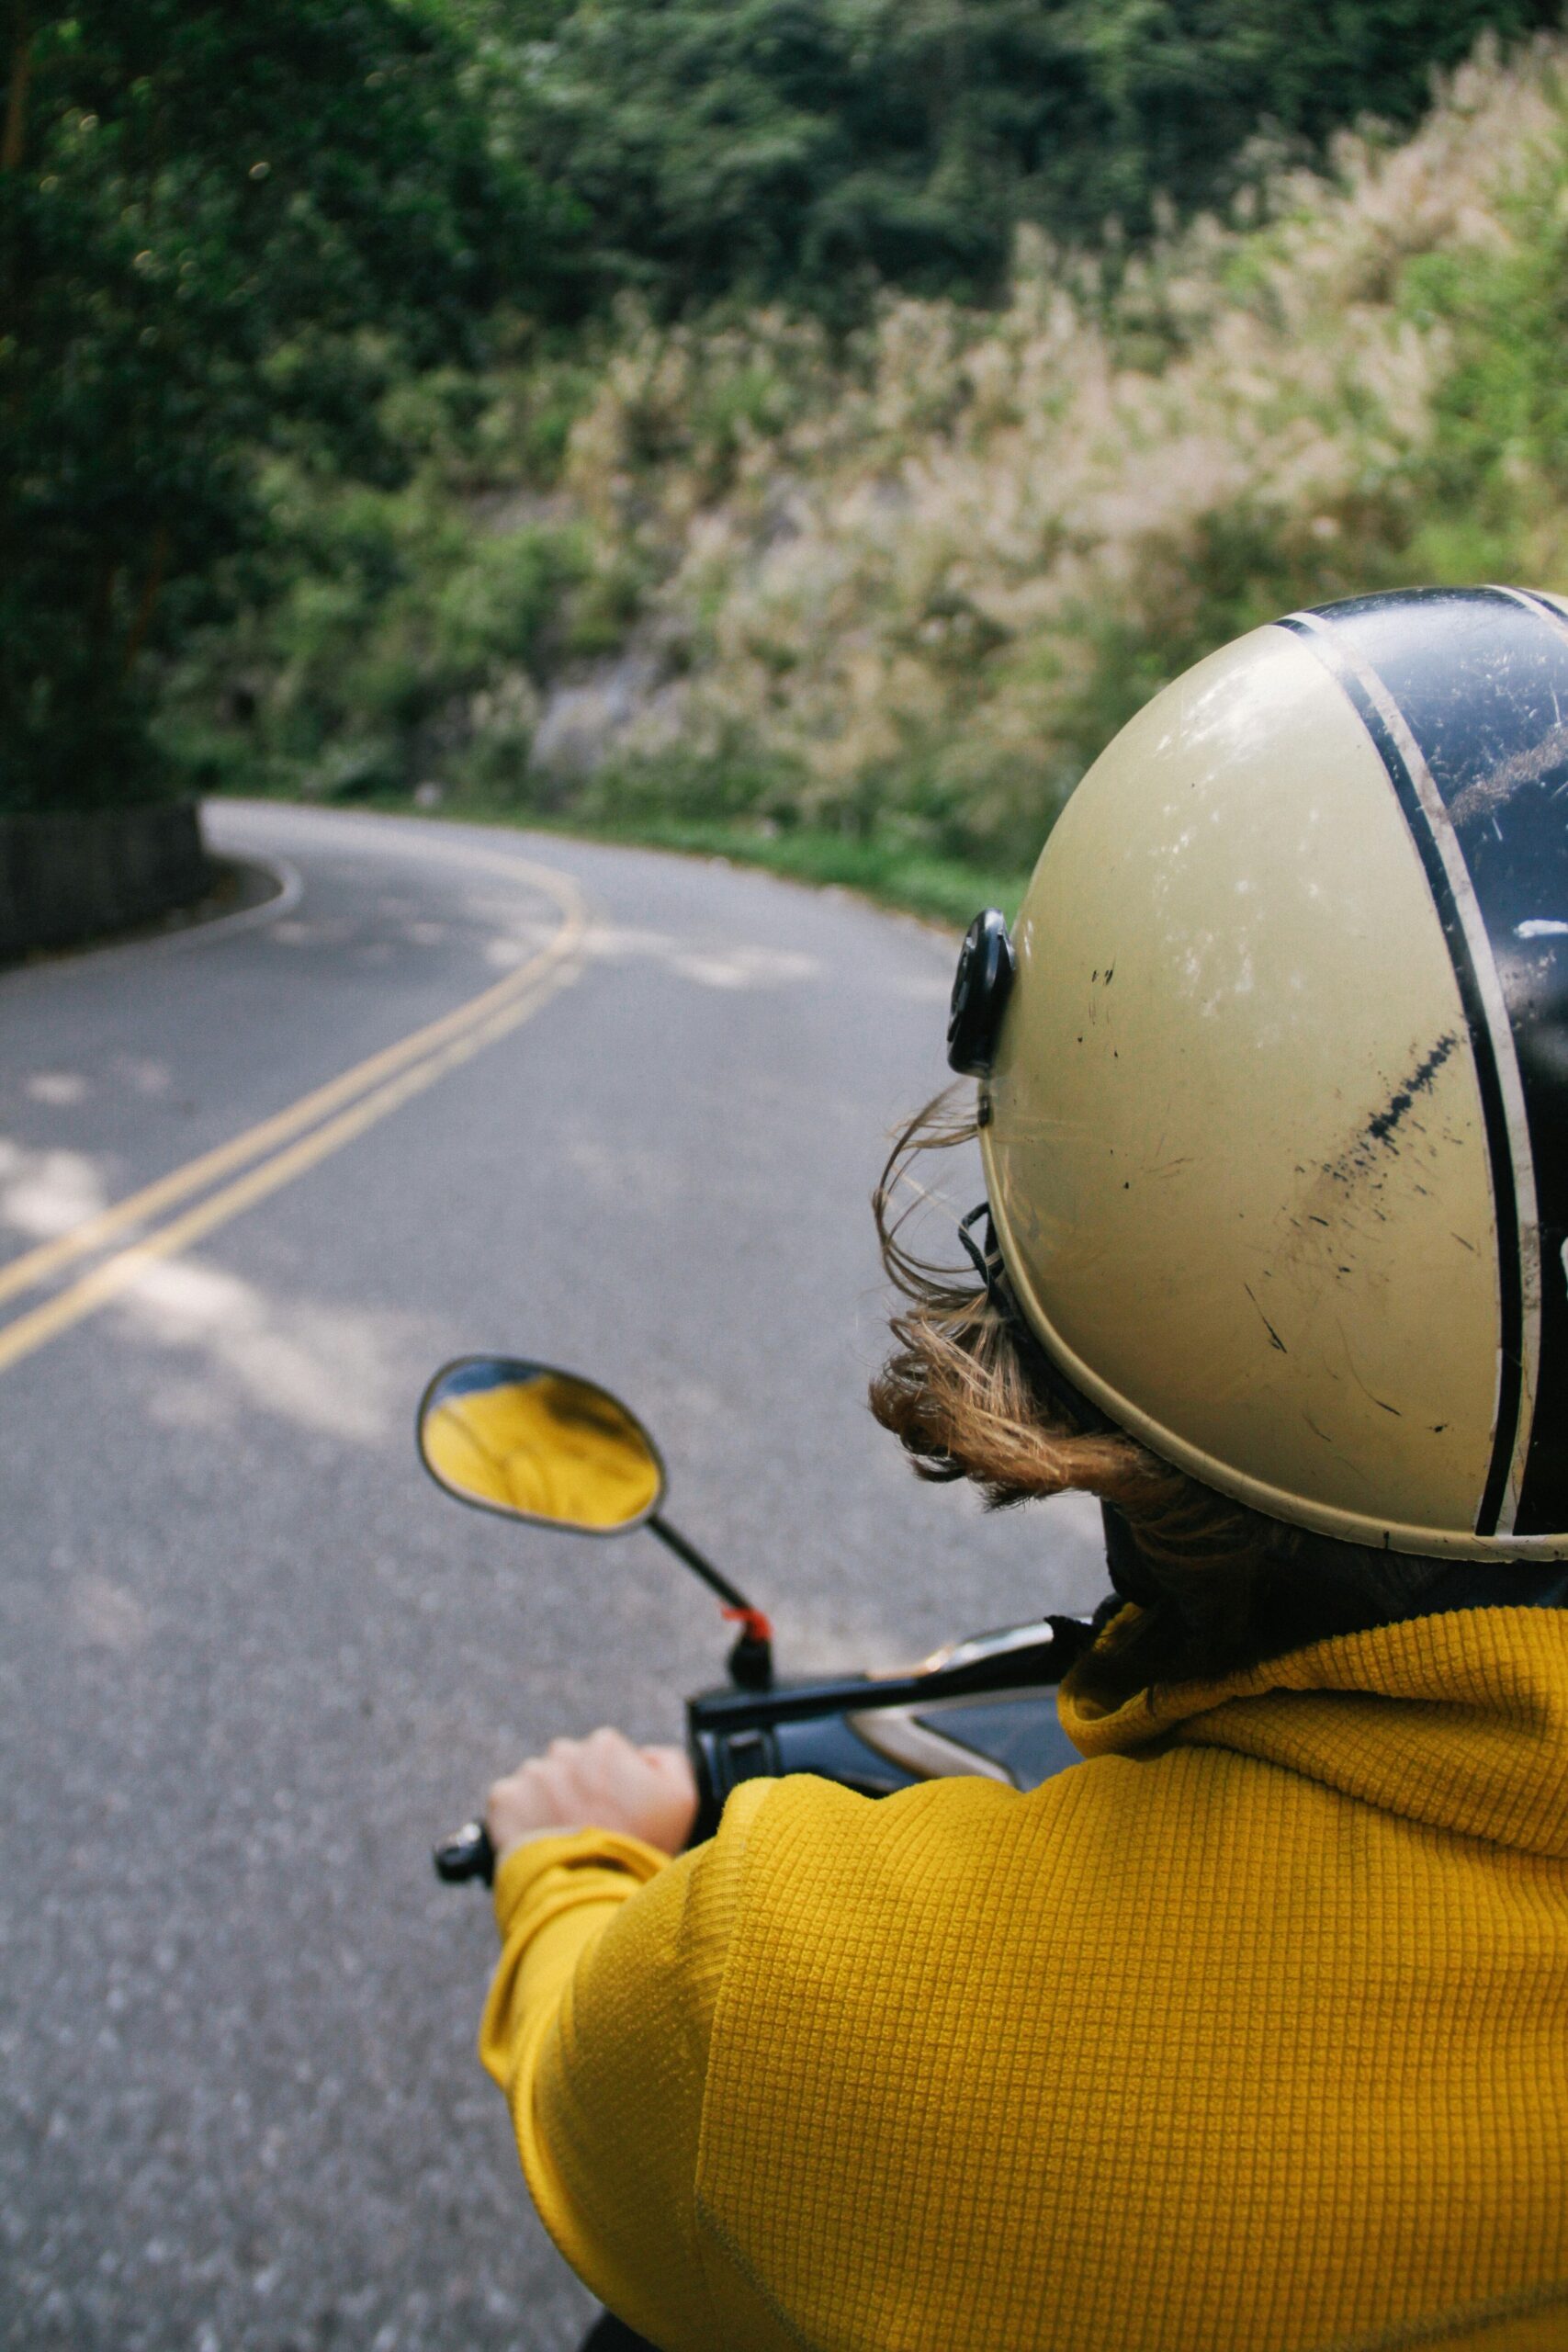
75	874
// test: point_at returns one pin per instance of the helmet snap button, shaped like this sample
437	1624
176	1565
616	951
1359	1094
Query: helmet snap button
980	988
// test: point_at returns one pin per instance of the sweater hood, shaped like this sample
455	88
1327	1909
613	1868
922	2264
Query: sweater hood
1459	1722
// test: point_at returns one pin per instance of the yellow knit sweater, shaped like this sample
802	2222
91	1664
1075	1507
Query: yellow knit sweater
1248	2034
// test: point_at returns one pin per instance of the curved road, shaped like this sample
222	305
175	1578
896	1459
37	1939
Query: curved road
455	1089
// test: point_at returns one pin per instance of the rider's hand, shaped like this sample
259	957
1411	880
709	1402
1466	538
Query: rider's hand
600	1782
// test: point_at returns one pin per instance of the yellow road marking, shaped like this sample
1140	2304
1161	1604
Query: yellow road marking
37	1265
405	1069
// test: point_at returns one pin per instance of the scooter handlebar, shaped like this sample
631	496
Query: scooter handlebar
828	1728
467	1853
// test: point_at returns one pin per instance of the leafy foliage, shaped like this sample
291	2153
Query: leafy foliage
808	151
376	376
400	638
899	590
220	230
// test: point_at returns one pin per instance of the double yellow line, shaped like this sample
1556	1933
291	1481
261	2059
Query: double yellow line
278	1148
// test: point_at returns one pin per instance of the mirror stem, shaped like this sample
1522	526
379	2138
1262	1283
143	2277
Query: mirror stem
695	1561
751	1658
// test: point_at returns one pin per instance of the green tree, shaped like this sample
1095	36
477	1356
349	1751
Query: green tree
220	230
811	149
1175	89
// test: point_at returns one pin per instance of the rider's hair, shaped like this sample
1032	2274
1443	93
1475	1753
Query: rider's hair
970	1393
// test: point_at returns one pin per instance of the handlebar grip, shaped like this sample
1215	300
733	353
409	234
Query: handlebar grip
467	1853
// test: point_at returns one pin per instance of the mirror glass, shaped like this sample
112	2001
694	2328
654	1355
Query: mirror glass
538	1443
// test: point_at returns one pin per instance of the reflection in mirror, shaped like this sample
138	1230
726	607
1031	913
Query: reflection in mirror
538	1443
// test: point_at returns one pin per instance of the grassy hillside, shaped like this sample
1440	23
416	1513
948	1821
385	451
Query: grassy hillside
879	600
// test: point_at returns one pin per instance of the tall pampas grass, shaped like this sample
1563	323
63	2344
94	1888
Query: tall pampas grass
916	582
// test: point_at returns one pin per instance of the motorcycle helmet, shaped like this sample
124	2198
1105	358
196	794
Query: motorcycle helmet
1274	1074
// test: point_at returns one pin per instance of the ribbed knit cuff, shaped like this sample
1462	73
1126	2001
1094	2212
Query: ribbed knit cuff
521	1870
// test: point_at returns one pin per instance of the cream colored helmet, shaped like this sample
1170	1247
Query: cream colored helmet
1274	1074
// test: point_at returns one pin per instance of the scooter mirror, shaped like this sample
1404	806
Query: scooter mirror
538	1443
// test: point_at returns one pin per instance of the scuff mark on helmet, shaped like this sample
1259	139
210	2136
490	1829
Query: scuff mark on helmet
1274	1335
1418	1083
1378	1136
1490	793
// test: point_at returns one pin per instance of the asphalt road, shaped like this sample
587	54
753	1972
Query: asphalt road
250	1661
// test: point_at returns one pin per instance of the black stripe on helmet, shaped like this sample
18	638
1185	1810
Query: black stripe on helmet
1466	694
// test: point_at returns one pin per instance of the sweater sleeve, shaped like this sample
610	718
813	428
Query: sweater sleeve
597	2029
